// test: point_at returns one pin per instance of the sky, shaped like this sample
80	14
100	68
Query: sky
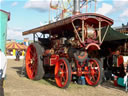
29	14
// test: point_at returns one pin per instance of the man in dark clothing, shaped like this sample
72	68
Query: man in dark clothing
1	87
17	55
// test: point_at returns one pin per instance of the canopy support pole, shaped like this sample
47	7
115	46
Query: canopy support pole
76	32
99	32
33	37
83	30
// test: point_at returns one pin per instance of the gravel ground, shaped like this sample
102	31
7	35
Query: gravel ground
21	86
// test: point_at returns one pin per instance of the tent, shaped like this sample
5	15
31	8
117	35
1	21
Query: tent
112	40
15	45
24	46
112	34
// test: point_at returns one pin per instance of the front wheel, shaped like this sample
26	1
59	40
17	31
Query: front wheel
94	76
34	64
62	73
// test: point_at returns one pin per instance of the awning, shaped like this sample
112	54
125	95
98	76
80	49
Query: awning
112	34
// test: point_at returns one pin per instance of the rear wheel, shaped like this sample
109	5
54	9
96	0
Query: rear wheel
63	73
94	76
34	63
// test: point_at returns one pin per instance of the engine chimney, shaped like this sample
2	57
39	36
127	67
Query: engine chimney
76	4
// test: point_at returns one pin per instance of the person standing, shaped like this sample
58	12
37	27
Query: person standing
23	53
3	65
18	55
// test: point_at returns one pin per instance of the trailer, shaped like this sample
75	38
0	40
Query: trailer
69	49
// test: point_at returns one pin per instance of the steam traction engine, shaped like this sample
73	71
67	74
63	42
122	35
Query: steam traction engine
69	49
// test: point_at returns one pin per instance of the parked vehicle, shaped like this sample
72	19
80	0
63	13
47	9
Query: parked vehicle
69	49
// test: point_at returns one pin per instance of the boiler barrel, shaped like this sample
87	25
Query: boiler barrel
4	17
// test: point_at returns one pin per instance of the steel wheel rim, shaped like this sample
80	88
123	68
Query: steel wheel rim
61	73
93	76
31	62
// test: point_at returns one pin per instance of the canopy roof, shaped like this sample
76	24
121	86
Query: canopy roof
66	24
15	45
112	34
